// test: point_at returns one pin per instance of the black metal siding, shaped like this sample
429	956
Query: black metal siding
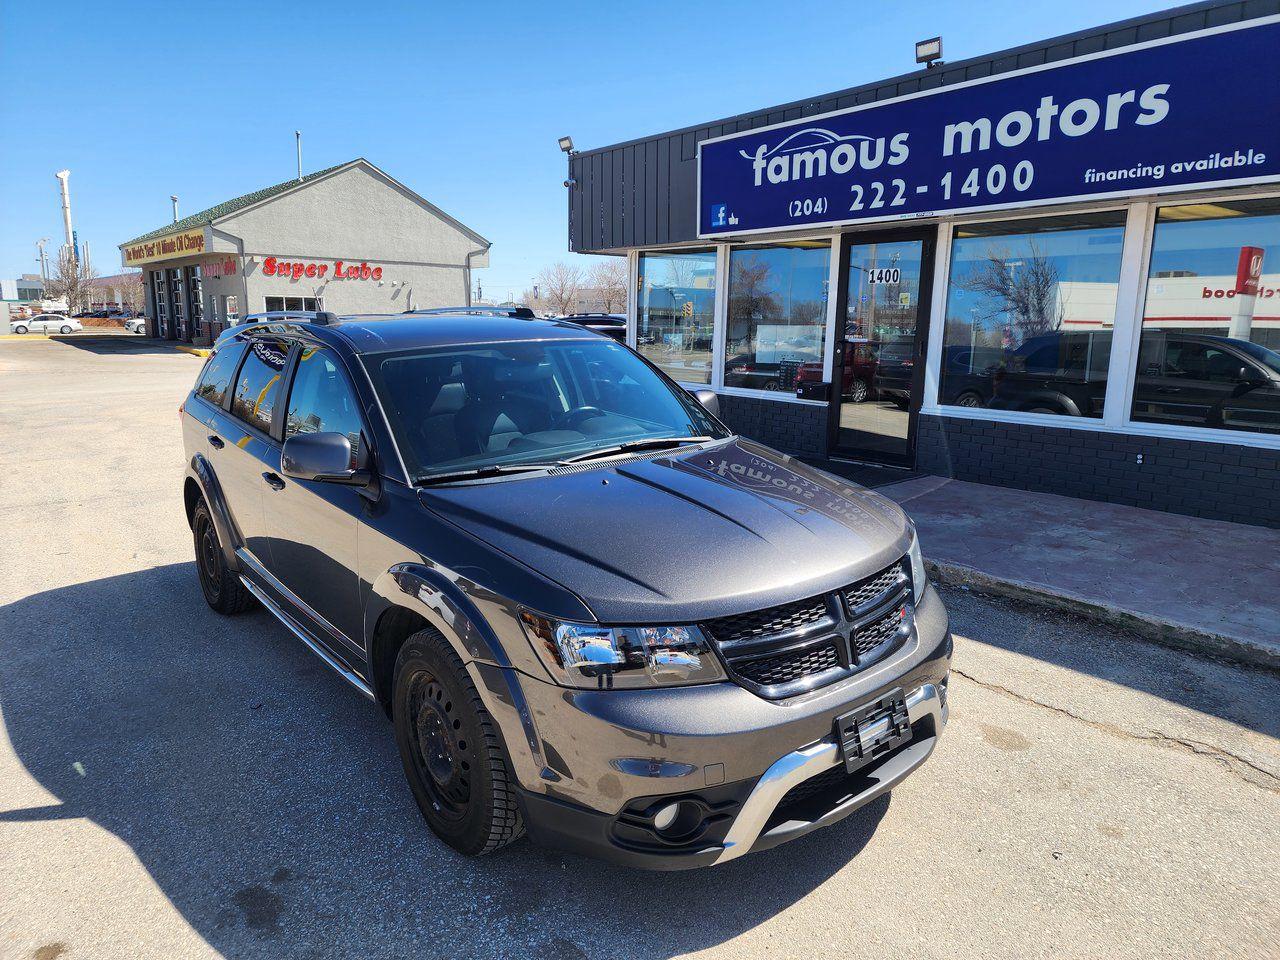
644	192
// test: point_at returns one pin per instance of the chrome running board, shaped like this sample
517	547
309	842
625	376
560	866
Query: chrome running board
301	634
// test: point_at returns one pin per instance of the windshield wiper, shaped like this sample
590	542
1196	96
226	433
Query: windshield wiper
653	443
492	470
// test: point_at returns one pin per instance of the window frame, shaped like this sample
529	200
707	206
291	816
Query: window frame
1135	264
276	426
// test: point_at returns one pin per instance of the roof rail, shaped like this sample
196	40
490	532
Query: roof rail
319	317
523	313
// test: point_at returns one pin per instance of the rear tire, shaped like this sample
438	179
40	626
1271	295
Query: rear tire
450	749
65	329
221	586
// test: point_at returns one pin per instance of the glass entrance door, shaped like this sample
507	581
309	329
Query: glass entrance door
878	369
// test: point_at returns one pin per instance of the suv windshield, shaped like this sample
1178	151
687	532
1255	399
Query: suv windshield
465	408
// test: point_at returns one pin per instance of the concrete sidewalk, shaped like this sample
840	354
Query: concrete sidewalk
1185	581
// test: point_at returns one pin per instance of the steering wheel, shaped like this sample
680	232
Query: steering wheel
574	418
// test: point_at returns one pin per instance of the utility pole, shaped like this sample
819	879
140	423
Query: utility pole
174	198
297	136
43	259
63	176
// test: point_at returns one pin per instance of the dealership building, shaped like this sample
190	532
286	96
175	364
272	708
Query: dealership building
349	239
1055	267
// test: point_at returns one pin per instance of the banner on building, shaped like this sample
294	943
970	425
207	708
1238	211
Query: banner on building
1183	112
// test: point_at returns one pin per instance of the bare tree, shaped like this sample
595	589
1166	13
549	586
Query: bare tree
1023	289
71	281
558	286
609	278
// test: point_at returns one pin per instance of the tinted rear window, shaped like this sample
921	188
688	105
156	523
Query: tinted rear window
258	383
218	372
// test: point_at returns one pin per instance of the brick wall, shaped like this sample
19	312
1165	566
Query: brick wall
790	427
1216	480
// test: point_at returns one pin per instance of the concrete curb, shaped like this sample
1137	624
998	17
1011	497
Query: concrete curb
1168	633
194	351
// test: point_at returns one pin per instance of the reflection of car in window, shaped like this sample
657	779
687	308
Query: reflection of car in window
895	367
1062	372
1208	381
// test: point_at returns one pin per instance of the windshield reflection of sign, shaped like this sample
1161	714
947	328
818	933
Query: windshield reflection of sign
744	469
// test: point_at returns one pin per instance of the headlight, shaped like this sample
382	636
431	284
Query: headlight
918	575
589	655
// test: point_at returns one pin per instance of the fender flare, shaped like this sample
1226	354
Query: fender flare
442	603
228	536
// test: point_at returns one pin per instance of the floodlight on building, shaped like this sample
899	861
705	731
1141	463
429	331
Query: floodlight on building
566	144
929	52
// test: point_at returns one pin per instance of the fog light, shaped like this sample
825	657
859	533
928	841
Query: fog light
664	818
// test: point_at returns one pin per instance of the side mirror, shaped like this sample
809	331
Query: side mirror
321	456
1251	377
710	400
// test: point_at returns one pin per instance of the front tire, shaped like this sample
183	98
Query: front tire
450	750
222	588
65	329
19	329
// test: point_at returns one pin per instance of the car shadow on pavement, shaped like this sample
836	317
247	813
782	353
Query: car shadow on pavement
266	800
118	343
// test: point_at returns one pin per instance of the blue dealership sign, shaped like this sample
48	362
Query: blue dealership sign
1197	110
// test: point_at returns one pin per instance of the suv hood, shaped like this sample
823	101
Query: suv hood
682	538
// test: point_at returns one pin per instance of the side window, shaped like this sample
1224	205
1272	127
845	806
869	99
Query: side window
258	383
321	400
218	372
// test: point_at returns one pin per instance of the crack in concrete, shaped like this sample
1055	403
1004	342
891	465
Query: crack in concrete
1237	766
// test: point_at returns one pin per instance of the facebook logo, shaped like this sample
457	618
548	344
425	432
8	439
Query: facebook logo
719	214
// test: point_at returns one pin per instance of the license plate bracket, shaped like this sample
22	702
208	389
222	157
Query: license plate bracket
873	729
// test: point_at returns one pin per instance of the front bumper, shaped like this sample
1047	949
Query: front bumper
607	760
764	819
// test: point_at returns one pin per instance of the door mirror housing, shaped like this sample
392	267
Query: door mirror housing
321	456
710	401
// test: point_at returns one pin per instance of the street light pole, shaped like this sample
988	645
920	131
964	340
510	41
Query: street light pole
63	176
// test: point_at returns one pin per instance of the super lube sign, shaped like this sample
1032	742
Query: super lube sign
1200	110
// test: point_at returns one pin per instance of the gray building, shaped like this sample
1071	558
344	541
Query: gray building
349	239
1055	267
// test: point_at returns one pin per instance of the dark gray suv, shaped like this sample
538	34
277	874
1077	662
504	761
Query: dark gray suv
590	611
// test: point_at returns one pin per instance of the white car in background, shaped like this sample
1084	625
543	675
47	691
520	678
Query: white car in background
136	325
45	323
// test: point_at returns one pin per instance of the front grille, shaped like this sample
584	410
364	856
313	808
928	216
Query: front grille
867	638
864	591
762	623
785	650
790	666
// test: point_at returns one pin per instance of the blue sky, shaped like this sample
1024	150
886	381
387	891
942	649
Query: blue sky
461	102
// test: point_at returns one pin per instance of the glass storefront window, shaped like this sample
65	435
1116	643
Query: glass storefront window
777	313
1030	308
675	309
1209	355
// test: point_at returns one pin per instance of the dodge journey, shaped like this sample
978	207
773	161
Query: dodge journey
591	611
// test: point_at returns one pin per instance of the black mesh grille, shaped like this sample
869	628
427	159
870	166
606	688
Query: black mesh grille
762	623
867	638
790	666
757	646
864	591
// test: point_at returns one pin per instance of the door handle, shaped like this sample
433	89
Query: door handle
215	441
273	481
1168	390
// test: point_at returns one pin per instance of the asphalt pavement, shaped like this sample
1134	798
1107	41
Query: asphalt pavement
178	784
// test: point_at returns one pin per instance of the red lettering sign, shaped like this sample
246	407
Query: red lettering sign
297	269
